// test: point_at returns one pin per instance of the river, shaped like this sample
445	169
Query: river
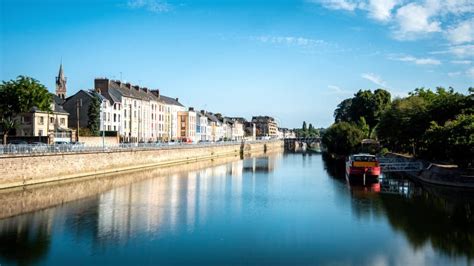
277	209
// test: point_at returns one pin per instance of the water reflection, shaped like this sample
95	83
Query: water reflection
440	216
273	209
25	240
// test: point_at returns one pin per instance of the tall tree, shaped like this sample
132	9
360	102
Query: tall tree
304	127
93	114
342	112
19	96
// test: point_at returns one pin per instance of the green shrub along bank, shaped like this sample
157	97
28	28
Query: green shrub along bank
434	125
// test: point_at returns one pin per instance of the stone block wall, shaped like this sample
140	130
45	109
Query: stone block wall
33	169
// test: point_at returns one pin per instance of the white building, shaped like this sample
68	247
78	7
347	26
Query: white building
138	114
172	107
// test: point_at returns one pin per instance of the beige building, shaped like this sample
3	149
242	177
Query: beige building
42	123
266	126
187	125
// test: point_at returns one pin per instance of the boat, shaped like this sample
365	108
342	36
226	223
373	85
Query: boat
361	166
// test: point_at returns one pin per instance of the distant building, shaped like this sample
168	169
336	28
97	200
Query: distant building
201	127
187	125
266	126
61	81
42	123
287	133
215	127
172	107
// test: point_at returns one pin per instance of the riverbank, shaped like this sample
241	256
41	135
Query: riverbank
445	175
20	200
21	171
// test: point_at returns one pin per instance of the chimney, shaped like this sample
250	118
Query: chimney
191	109
146	90
156	92
118	83
128	85
177	99
203	112
101	85
136	87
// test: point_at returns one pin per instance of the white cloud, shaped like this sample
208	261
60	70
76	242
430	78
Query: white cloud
418	61
290	40
454	74
337	4
381	9
470	72
461	62
374	79
414	20
337	90
462	32
155	6
410	20
462	50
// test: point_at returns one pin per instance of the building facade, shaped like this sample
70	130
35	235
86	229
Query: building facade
266	126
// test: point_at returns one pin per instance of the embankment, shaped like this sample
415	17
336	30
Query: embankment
19	171
445	175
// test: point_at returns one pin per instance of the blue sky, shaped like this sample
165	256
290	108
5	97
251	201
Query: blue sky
294	60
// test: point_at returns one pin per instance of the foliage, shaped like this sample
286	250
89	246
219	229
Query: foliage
306	131
454	141
93	114
364	104
403	124
20	96
342	138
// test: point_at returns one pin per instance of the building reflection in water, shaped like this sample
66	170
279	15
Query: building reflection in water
181	199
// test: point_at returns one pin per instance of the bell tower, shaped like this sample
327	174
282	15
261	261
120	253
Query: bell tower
61	83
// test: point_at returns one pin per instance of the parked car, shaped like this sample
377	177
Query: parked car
39	147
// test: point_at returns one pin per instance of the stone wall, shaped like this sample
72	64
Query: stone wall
34	169
97	141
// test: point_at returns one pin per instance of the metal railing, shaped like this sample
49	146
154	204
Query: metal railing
394	164
39	149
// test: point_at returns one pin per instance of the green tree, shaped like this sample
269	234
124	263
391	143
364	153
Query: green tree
93	114
20	96
452	142
343	110
403	124
342	138
304	127
364	104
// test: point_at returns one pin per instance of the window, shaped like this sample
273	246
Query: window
51	120
135	114
41	121
119	118
125	112
115	117
62	121
125	124
40	132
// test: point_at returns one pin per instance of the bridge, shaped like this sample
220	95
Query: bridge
302	143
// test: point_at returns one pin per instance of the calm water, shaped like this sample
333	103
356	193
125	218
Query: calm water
289	209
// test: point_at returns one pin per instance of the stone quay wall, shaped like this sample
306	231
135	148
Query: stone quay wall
19	171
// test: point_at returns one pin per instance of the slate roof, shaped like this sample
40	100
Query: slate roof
169	100
117	90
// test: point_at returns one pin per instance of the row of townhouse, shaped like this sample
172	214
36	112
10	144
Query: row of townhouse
136	114
140	114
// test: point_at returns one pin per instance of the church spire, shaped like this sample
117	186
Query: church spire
61	83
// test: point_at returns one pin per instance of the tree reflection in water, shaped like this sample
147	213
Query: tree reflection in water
25	240
441	216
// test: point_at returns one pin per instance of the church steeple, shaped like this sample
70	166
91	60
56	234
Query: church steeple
61	83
